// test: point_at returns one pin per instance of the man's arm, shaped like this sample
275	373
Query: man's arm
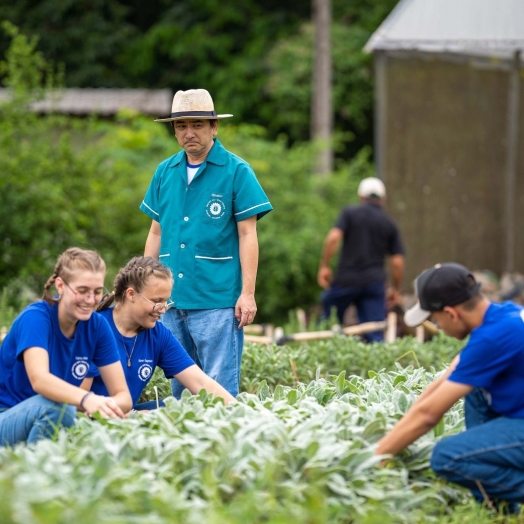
424	414
396	269
331	244
246	307
152	248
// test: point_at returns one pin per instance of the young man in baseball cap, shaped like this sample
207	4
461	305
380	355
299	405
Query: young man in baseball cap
487	458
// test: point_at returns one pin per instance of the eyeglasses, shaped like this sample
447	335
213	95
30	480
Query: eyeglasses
83	294
157	306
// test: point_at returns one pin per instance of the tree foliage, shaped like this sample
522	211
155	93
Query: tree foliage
67	181
254	56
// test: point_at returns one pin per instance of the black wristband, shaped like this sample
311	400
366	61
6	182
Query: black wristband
83	399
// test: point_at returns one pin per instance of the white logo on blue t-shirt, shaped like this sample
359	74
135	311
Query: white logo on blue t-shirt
80	369
522	315
144	372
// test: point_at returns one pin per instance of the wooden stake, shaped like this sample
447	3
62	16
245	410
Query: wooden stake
391	329
420	334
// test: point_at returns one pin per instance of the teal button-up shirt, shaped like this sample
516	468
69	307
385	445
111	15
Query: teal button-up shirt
199	240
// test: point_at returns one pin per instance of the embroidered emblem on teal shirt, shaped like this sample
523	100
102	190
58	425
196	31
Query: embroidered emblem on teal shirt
215	208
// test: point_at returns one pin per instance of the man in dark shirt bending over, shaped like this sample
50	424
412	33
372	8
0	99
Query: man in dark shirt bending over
368	234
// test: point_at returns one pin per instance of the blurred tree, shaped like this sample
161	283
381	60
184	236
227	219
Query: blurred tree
321	87
86	36
67	181
254	56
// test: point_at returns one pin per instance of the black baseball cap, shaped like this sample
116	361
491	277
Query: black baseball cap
443	285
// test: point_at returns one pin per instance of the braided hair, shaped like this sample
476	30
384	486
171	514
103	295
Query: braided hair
134	274
70	261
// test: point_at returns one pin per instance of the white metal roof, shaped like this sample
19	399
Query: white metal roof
485	27
104	101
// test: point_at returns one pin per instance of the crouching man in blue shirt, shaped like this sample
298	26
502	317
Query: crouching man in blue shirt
487	458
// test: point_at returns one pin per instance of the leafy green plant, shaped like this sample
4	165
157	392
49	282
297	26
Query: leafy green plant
305	448
297	362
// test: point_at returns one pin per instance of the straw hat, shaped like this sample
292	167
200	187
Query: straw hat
193	103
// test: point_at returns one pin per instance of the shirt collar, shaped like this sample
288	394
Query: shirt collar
217	155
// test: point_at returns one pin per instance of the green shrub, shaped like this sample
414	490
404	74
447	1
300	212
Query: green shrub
69	181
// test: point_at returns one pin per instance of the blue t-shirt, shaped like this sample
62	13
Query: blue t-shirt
154	347
493	359
69	359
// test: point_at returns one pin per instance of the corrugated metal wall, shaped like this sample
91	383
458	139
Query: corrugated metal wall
444	163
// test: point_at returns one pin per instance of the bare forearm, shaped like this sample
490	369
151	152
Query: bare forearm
330	247
248	252
438	382
214	387
87	383
194	379
116	384
123	400
58	390
413	425
423	415
153	241
396	265
327	253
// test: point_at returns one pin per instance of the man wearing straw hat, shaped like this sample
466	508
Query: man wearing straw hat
204	203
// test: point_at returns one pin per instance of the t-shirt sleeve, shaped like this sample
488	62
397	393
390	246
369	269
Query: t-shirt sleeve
395	244
150	205
173	358
106	351
343	220
92	371
479	364
34	330
249	198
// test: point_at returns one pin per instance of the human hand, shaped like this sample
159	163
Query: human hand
392	297
245	309
105	406
324	277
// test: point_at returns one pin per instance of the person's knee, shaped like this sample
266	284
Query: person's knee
441	457
60	415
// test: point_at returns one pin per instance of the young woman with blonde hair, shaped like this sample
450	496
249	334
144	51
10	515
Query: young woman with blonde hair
49	349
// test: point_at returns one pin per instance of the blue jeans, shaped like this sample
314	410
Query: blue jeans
149	405
33	419
212	339
370	301
490	453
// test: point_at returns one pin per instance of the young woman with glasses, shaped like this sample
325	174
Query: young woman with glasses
47	353
141	291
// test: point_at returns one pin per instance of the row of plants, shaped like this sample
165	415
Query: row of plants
303	453
298	445
297	363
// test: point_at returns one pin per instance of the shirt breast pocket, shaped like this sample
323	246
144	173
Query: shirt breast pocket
216	211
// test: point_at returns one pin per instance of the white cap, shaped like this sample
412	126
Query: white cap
371	187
